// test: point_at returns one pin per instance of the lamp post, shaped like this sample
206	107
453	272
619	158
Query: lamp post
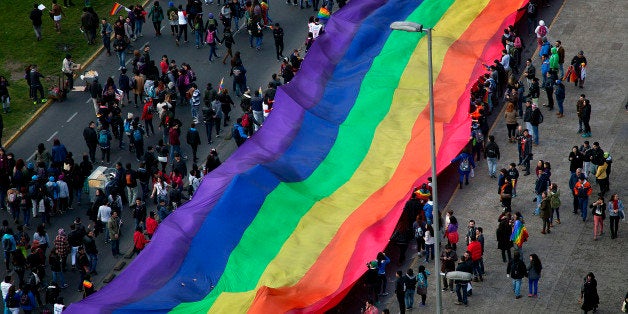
418	28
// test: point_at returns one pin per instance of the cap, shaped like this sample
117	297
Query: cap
373	264
580	52
606	154
51	178
34	177
558	81
210	15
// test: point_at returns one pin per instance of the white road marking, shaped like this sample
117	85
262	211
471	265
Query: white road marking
31	157
88	100
51	136
140	49
71	117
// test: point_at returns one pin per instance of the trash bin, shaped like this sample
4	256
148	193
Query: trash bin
98	179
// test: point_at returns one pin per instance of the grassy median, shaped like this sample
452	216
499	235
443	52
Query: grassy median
19	48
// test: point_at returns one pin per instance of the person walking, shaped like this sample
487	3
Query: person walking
461	285
104	141
516	270
492	155
400	291
193	139
554	196
525	153
599	214
410	282
105	32
559	91
156	14
35	17
585	116
588	294
91	140
422	283
465	167
503	237
534	274
382	261
579	62
582	189
57	14
278	35
428	237
448	259
615	212
114	231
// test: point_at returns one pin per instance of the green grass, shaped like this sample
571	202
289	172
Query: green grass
19	47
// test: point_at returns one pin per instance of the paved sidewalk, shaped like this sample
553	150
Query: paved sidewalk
569	252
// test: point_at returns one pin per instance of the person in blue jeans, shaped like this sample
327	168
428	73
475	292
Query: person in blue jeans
410	281
461	285
516	270
534	274
429	243
382	261
465	166
582	190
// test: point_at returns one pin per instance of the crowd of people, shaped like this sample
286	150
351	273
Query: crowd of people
523	117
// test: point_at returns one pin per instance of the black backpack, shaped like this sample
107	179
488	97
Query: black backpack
24	299
13	302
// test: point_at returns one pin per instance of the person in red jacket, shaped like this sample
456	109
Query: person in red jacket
139	240
475	250
151	224
582	190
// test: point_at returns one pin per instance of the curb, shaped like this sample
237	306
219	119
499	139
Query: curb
47	104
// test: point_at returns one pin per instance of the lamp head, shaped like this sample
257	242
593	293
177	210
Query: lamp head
407	26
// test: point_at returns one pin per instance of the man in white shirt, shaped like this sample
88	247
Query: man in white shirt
104	214
68	70
5	285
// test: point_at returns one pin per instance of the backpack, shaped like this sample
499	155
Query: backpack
531	8
6	244
543	31
210	37
464	165
103	139
418	232
246	120
540	117
173	16
478	136
555	201
24	299
517	42
137	135
13	302
129	179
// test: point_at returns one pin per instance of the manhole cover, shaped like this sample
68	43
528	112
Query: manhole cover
64	47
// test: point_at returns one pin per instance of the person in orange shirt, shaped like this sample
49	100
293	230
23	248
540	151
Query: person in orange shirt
582	190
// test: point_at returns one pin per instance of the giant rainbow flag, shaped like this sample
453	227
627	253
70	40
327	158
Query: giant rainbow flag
287	223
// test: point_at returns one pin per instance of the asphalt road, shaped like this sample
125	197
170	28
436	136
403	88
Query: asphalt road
66	120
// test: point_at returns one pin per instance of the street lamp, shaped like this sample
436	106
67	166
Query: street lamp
418	28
